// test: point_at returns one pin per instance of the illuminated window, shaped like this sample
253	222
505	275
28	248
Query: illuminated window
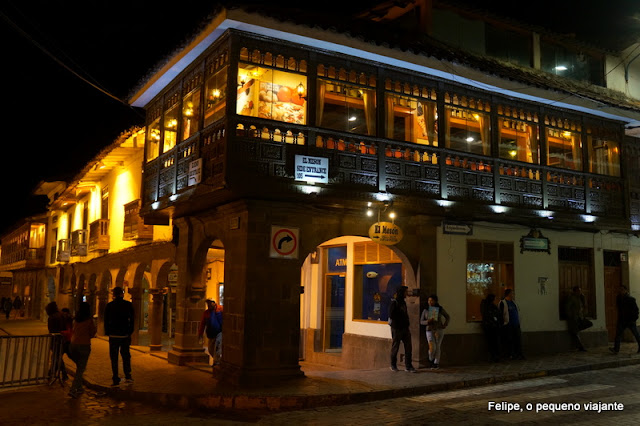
170	129
346	108
489	270
191	114
153	140
411	120
216	97
564	149
519	140
378	273
271	94
467	130
604	156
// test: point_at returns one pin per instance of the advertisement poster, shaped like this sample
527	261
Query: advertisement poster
282	103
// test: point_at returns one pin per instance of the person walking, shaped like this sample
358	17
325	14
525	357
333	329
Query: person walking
511	324
436	319
56	324
84	330
576	321
491	321
211	323
118	325
627	317
399	322
17	305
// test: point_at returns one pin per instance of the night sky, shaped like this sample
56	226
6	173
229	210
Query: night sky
54	122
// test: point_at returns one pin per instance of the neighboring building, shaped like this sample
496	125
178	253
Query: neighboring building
92	239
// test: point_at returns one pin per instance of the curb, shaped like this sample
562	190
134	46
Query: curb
269	403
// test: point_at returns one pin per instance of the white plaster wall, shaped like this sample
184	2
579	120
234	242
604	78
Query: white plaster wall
615	72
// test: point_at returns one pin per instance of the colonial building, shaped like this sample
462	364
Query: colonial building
312	163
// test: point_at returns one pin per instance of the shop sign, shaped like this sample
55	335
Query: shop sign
385	233
173	275
535	241
312	169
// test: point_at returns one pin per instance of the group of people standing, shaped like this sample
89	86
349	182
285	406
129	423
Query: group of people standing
6	304
78	331
501	324
434	317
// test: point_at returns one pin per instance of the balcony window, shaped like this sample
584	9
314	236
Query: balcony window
153	140
191	114
576	65
216	97
271	94
604	156
346	108
170	129
564	149
519	141
411	120
467	130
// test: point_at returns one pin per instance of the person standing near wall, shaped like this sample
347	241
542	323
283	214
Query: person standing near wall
627	317
211	323
56	324
118	325
575	316
491	321
7	307
399	322
436	319
84	330
511	324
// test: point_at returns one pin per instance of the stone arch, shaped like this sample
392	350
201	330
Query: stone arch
91	291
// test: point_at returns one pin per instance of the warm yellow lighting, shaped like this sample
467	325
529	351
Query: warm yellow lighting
477	117
566	134
369	212
216	94
172	124
513	153
392	215
188	111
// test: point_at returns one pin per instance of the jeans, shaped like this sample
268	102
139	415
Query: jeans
120	344
620	326
434	337
80	355
215	348
404	336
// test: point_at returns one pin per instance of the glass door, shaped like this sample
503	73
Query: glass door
334	294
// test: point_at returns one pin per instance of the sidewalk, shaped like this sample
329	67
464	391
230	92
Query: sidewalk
158	381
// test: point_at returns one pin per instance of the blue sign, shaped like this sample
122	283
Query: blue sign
337	259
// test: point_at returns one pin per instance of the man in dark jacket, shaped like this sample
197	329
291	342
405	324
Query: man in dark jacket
118	325
627	317
399	321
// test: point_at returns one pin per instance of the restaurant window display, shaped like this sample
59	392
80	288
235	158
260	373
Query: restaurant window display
346	107
191	113
153	140
216	97
467	130
519	140
411	120
170	124
489	270
271	94
564	149
604	155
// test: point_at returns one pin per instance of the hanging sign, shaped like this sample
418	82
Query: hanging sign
312	169
385	233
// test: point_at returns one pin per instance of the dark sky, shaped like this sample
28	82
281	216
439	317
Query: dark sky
53	122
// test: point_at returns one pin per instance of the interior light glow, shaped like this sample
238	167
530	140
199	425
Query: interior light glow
470	139
392	215
155	205
309	189
380	196
499	209
588	218
369	212
561	68
444	203
545	213
352	118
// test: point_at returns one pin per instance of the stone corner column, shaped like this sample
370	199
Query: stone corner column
155	320
186	348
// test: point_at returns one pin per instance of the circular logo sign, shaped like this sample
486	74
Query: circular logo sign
385	233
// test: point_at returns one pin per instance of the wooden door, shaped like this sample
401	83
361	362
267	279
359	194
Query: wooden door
576	274
612	280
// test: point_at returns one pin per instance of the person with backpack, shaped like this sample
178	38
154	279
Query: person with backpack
211	323
627	317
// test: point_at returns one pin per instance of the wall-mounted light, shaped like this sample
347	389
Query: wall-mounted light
444	203
499	209
588	218
561	68
215	94
545	213
155	205
301	91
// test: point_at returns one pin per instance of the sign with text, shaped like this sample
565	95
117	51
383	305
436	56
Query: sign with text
284	242
535	241
195	172
457	228
385	233
312	169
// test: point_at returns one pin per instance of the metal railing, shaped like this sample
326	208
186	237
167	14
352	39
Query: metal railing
30	360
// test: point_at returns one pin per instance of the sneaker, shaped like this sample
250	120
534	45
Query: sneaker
613	351
115	383
129	379
435	367
411	370
394	369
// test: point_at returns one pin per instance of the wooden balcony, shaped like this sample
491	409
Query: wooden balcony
260	157
134	227
99	235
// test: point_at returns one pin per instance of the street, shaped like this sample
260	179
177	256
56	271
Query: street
602	397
